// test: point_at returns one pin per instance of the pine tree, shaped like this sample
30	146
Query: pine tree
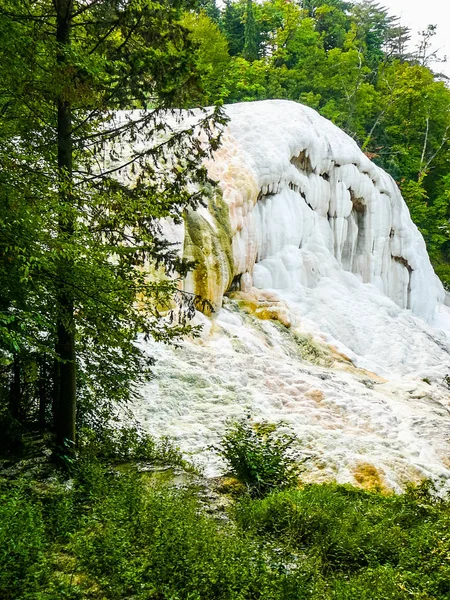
87	219
232	24
250	51
210	8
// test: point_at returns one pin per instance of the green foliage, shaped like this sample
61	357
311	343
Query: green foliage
374	26
431	217
333	23
119	537
362	540
111	535
211	54
260	456
158	545
22	543
232	24
246	81
250	50
128	444
83	263
346	528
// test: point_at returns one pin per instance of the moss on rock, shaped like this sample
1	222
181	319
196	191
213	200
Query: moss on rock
209	245
312	351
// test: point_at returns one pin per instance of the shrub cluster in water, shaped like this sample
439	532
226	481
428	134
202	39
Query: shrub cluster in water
119	535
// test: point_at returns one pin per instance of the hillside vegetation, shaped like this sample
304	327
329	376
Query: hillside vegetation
115	531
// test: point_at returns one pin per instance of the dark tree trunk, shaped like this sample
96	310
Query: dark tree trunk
55	392
65	345
42	384
14	390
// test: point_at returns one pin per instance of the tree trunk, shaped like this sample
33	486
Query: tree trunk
14	390
55	392
42	385
65	345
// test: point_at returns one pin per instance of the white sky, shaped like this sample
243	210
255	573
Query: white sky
417	14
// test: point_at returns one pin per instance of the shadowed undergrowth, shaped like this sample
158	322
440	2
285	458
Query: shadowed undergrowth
119	535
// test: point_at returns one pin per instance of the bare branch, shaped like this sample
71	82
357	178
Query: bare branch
443	142
425	142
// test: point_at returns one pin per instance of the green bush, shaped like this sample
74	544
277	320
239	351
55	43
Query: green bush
22	542
260	456
126	444
115	534
345	528
366	545
381	583
145	542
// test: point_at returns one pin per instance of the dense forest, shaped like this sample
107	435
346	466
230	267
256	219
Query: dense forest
75	235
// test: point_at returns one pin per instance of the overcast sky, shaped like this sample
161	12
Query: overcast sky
417	14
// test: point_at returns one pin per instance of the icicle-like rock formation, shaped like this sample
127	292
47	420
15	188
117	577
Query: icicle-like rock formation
301	202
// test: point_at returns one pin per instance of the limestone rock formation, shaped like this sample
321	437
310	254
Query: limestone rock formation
328	315
299	201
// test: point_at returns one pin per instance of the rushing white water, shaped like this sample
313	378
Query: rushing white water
335	324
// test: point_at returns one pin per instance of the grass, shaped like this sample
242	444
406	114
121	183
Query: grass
111	536
118	534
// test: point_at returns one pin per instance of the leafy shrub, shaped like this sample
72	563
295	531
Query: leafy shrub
260	456
113	535
22	541
127	444
146	542
345	528
367	545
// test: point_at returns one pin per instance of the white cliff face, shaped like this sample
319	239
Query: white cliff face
333	320
305	202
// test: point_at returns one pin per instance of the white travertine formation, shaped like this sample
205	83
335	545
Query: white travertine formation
338	330
304	202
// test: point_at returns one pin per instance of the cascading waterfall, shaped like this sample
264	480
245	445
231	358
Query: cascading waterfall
328	314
